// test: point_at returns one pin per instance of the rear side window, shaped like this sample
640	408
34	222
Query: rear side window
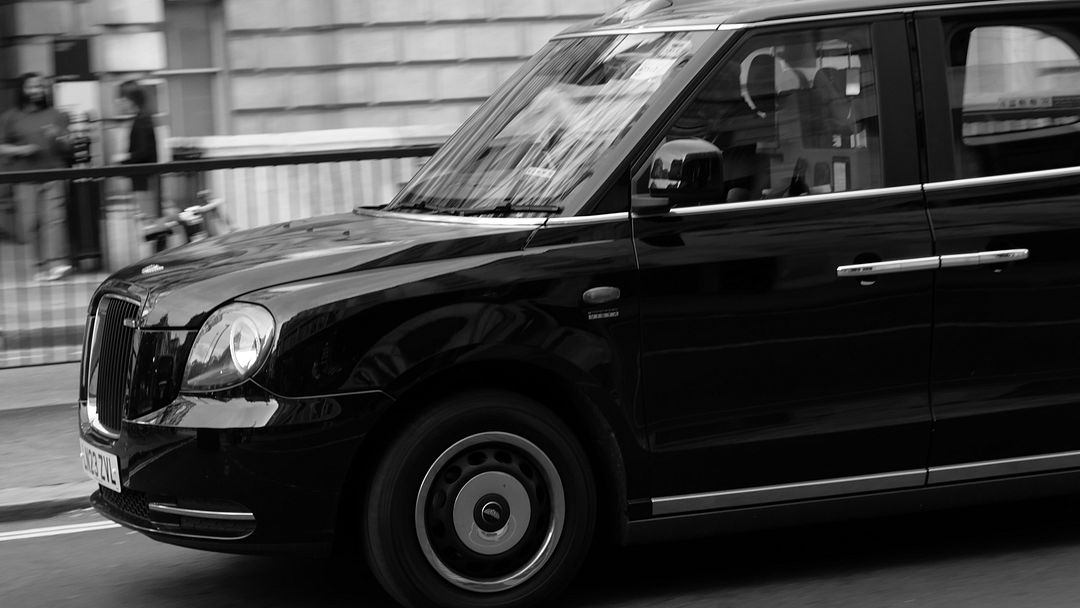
1015	98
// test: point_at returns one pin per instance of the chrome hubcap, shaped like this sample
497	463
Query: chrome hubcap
489	512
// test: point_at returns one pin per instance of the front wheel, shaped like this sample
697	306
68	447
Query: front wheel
488	500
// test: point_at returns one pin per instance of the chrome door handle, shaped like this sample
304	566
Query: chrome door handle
982	258
888	267
601	295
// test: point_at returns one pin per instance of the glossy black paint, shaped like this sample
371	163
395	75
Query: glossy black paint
757	360
1006	358
1006	363
733	357
510	315
763	365
288	475
878	504
197	278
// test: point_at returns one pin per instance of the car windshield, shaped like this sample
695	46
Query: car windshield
540	137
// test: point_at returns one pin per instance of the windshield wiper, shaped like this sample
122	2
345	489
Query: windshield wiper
357	208
423	206
507	208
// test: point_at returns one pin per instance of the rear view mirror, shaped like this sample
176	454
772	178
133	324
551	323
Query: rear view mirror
684	171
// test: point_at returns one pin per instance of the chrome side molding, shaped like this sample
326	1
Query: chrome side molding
671	505
899	480
1000	468
201	513
981	258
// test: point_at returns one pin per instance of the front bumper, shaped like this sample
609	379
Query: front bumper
244	490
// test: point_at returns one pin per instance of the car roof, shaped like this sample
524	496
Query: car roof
701	14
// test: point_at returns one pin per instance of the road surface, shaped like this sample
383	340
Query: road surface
1005	556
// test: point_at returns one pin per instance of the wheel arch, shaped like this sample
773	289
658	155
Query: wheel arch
576	406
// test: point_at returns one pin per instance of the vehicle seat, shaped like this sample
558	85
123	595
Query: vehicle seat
830	123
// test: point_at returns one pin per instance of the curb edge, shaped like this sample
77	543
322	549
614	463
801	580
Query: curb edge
41	509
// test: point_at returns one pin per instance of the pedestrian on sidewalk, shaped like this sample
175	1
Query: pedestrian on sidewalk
142	148
34	135
142	141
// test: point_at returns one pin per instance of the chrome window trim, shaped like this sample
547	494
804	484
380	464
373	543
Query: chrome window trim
824	488
588	219
899	10
656	29
896	10
997	180
1003	467
790	201
202	513
605	217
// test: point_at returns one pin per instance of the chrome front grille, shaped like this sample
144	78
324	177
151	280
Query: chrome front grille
110	362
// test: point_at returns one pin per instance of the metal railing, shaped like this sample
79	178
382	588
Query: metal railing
42	321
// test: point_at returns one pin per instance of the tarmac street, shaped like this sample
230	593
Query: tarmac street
54	551
34	386
1007	556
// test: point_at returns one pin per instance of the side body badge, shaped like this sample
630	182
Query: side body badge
152	268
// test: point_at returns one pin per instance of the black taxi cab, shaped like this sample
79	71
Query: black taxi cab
696	267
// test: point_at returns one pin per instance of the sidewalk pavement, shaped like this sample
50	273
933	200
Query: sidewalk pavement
23	387
40	473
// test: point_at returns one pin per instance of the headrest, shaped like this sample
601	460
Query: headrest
761	83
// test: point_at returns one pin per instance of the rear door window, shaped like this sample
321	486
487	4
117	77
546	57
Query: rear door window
1014	91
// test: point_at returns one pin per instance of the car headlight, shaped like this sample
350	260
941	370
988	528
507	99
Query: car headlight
231	345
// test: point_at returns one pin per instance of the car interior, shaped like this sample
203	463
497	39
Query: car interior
790	119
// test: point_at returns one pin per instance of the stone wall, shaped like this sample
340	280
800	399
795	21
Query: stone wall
346	63
302	65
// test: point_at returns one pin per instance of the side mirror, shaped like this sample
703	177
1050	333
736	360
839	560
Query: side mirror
683	172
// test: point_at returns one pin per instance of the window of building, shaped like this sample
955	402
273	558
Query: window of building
194	36
1015	97
792	114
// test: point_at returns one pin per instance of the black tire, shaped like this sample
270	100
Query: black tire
486	501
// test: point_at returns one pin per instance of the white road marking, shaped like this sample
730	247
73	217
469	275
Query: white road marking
56	530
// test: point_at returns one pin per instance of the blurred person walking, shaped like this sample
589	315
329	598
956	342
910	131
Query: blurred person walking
33	136
142	140
142	148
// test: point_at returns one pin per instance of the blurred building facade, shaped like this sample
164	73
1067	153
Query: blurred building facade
238	67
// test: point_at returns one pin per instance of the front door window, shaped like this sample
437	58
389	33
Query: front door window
792	114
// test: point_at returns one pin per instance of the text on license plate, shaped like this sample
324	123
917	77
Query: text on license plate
100	465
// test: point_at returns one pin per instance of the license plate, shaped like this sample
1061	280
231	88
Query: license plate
100	465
